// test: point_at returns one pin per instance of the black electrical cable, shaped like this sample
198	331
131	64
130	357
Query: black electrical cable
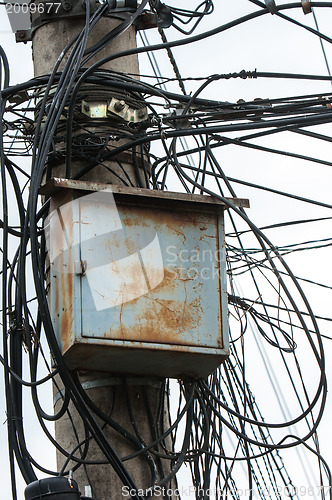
114	460
121	28
174	425
5	66
118	428
262	238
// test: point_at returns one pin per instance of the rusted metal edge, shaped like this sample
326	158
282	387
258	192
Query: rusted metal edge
153	359
148	346
56	184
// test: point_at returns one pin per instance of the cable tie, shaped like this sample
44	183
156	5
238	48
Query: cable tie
271	5
250	306
306	6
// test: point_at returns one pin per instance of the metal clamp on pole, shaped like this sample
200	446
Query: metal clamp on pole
69	9
120	9
122	4
164	13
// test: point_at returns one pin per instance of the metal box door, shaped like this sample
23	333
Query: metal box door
138	279
152	275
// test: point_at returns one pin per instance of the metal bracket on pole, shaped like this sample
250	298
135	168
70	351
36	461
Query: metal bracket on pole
120	4
119	9
114	107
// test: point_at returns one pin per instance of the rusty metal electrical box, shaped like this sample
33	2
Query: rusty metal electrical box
137	279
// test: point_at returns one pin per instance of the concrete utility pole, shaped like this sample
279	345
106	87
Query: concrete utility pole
107	392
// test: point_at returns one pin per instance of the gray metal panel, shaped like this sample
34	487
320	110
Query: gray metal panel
139	280
166	290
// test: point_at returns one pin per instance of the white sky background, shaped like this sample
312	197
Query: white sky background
268	44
